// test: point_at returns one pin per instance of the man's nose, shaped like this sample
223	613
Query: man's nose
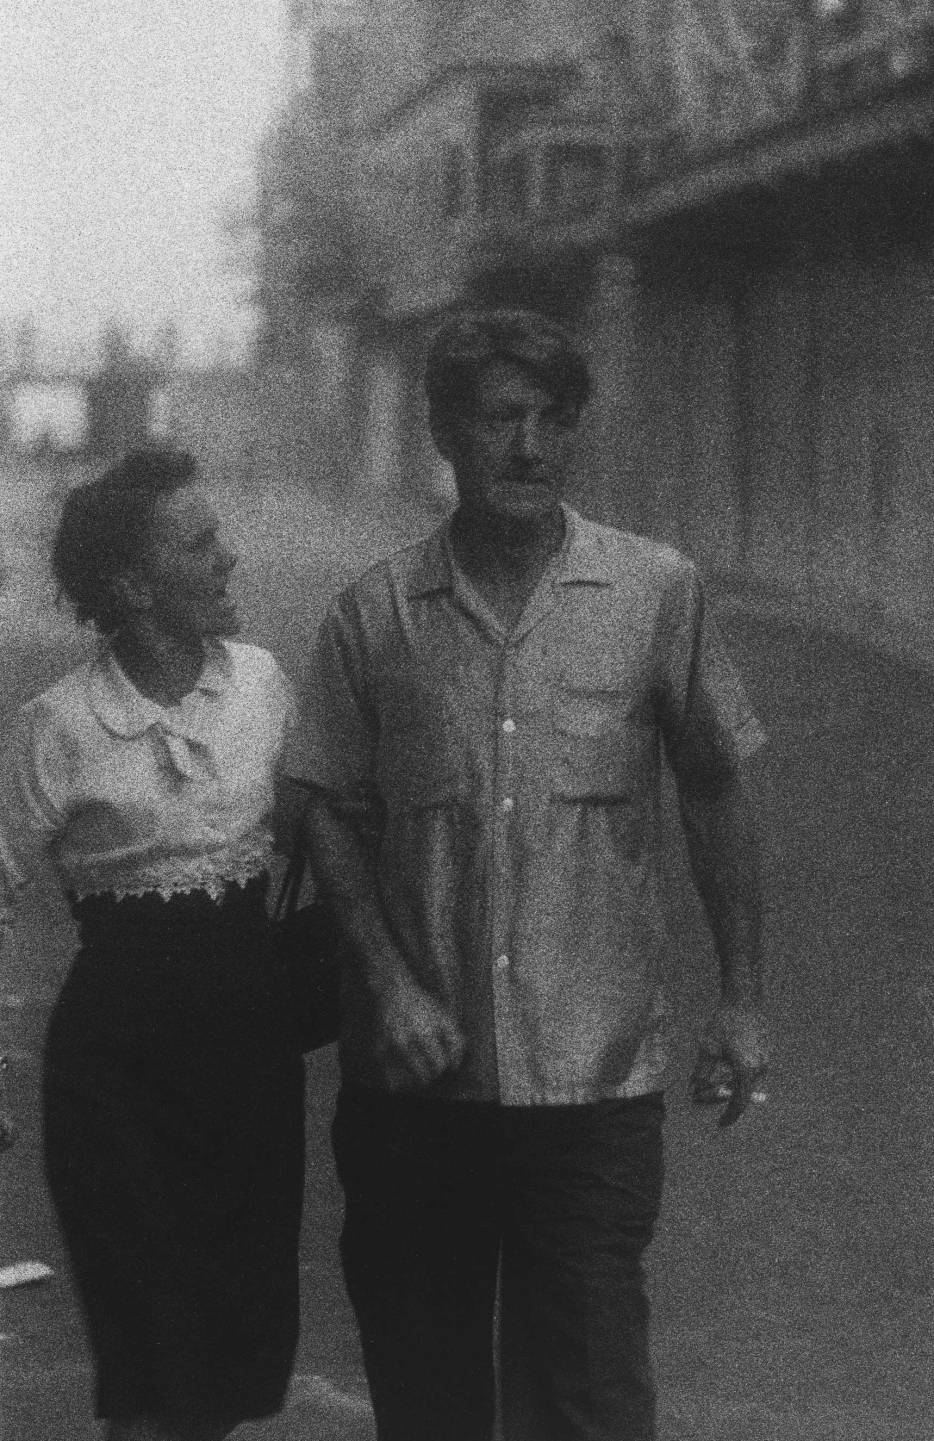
528	439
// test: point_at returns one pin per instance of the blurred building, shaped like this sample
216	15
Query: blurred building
305	263
305	22
47	418
62	411
118	411
728	200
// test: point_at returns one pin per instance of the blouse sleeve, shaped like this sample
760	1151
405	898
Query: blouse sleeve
33	784
280	700
287	700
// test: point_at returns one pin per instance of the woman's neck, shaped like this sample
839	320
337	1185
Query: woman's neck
164	668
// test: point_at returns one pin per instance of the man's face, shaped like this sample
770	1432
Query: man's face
510	451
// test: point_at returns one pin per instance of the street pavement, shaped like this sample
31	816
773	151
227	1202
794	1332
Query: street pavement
791	1274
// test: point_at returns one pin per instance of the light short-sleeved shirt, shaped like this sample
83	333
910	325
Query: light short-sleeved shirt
511	780
126	796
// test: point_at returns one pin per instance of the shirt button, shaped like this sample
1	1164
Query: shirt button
501	963
509	726
508	804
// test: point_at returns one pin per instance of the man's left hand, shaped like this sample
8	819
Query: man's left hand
731	1061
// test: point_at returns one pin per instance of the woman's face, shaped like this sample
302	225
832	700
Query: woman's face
185	569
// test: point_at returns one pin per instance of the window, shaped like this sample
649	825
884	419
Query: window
838	19
512	184
575	178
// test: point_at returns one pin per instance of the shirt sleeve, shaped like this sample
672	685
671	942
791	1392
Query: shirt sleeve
34	772
333	743
707	723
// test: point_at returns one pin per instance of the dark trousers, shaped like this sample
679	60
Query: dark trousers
440	1196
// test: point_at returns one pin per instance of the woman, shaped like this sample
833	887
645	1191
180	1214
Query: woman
173	1102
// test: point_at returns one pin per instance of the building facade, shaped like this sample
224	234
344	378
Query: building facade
730	202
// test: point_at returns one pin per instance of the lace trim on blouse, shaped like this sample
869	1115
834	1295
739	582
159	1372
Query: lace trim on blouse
181	875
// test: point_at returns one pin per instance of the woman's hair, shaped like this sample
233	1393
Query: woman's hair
103	530
470	341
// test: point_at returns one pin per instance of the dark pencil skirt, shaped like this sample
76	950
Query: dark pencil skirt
174	1149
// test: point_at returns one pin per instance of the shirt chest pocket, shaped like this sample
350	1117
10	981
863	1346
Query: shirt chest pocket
602	753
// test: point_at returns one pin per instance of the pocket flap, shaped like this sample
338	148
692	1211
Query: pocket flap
603	754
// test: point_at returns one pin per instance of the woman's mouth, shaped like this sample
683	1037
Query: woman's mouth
224	601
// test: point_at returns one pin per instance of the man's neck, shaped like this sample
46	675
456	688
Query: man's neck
517	552
164	668
506	562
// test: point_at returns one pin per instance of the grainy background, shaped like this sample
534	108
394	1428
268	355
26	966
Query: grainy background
792	1271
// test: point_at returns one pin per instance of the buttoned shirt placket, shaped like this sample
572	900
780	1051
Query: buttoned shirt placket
510	723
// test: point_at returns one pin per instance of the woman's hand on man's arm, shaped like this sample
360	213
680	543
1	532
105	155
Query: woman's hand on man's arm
417	1041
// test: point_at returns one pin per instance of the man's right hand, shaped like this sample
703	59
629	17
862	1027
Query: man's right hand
418	1040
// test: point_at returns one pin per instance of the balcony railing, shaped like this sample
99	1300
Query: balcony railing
741	74
489	165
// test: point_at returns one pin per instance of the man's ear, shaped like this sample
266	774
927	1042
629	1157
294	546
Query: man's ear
132	591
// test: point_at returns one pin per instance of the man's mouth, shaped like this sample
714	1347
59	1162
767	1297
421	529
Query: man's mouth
526	477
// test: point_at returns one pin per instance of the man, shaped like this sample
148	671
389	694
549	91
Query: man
483	731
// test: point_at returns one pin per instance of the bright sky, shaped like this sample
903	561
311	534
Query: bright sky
127	128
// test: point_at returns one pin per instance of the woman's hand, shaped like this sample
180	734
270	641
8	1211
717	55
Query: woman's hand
419	1041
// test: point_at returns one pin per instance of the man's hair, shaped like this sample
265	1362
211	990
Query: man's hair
103	530
469	342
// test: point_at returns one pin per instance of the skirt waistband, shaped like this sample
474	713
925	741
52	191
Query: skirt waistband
105	916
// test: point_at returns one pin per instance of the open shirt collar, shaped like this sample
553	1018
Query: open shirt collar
581	560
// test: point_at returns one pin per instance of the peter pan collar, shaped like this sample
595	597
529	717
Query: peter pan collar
124	711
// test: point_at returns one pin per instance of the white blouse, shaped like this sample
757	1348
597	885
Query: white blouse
128	796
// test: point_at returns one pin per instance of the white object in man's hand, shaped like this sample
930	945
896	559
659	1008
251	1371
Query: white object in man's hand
732	1062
